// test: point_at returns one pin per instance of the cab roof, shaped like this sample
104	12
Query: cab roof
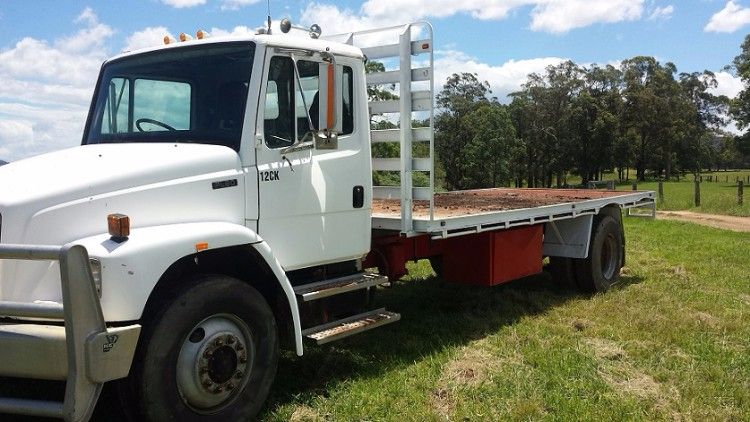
280	40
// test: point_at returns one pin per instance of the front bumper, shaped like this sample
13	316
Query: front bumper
74	344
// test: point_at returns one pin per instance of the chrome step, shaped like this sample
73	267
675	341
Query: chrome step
339	285
346	327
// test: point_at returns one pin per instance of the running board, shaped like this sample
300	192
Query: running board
335	286
346	327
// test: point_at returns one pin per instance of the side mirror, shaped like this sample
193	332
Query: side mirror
327	137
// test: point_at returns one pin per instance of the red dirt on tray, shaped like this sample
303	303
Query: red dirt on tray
453	204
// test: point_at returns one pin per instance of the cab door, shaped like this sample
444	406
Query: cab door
314	205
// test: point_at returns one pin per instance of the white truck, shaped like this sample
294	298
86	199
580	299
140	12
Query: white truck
221	205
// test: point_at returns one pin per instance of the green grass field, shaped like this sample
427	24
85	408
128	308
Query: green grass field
716	197
672	342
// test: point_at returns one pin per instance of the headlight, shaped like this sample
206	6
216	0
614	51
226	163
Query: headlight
96	272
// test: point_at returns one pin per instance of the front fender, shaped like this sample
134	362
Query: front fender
131	269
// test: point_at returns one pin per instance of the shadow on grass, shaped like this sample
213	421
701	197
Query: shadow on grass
434	315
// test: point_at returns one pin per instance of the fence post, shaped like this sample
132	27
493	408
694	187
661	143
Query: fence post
661	192
740	189
697	193
635	186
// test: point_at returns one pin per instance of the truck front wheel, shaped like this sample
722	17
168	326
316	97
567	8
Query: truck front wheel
209	353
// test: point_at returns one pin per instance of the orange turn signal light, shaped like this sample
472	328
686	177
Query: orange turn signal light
201	246
119	226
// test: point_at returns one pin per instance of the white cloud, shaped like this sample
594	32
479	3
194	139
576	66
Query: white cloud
560	16
236	4
237	31
46	88
555	16
661	13
727	84
729	19
146	37
503	79
180	4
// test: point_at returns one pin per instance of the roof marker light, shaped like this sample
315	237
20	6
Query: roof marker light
201	34
168	40
185	37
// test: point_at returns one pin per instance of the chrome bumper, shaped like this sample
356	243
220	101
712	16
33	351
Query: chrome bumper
81	351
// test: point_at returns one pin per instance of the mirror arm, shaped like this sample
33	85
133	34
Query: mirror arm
301	93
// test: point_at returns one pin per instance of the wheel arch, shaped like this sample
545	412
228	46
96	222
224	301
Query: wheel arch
243	262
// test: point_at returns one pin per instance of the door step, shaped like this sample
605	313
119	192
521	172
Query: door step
335	286
346	327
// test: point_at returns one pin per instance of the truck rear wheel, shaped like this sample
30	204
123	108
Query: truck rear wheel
208	354
601	269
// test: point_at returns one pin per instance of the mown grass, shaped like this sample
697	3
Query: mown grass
671	342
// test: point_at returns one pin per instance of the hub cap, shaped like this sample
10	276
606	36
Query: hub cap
214	362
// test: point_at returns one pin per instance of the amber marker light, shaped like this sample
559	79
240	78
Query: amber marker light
168	39
201	34
201	246
119	227
185	37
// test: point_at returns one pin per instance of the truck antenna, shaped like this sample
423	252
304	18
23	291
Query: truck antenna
269	15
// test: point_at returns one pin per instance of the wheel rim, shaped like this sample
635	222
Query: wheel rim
214	363
609	257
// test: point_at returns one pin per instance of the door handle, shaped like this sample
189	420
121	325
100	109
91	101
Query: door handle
358	197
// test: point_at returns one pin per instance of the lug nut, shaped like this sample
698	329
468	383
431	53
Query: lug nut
206	383
240	346
230	340
207	354
238	374
219	342
230	386
218	390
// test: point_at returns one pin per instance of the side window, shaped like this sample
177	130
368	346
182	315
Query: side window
287	105
309	78
278	119
115	117
347	90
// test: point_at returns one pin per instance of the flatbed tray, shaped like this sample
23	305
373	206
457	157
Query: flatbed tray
459	212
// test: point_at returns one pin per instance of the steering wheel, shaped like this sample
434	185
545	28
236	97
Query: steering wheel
153	122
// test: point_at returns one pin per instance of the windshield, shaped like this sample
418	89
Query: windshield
190	94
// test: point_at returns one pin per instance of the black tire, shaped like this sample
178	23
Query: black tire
152	387
601	269
563	272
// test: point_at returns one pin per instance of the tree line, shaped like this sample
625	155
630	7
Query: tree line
641	119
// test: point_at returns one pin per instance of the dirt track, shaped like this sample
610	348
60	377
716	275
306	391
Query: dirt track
727	222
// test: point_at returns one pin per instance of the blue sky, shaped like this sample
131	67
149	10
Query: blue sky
50	51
